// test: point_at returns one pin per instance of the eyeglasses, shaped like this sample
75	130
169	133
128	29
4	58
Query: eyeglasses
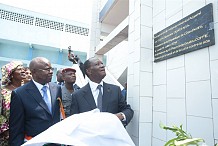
46	69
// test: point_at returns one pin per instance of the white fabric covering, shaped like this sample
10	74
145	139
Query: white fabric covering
91	128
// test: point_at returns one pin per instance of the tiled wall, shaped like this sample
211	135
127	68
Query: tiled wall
180	90
140	74
185	87
117	65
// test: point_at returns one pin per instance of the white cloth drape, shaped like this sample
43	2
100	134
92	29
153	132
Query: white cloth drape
91	128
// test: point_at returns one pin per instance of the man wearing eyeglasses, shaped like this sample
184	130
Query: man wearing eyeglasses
34	106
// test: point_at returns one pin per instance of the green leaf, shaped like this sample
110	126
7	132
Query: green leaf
182	138
188	141
170	142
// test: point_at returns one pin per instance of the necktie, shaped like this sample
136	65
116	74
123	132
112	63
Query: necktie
46	98
99	99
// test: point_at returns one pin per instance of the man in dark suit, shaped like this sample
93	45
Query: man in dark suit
108	98
33	110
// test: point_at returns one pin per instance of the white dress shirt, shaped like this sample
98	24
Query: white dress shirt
94	89
95	93
39	86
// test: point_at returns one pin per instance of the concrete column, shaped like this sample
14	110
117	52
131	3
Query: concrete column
139	78
95	29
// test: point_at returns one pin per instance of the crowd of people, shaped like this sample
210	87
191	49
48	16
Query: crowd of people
30	102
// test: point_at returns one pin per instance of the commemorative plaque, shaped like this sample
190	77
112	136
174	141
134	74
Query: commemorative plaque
191	33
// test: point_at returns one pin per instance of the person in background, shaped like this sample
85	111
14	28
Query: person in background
28	75
69	77
60	80
35	105
12	76
98	94
124	91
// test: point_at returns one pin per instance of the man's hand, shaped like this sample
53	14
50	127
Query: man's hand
120	116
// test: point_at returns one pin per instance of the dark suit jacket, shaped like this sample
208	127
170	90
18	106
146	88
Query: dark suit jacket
112	101
29	113
76	87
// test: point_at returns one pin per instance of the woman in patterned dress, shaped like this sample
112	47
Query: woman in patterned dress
12	76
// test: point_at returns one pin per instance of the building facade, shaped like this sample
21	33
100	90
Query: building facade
25	35
180	90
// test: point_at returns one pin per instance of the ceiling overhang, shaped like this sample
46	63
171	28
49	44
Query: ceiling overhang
114	12
119	34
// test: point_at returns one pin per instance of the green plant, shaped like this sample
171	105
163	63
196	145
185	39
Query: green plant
182	138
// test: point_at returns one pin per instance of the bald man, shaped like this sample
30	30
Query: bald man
34	106
59	76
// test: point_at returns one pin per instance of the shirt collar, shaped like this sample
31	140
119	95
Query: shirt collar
94	85
39	86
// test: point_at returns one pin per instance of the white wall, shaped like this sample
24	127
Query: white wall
185	86
31	34
116	65
180	90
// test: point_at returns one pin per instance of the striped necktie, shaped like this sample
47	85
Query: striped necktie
46	98
99	99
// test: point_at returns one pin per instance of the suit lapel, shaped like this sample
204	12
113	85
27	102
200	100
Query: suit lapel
87	95
106	96
34	92
53	93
